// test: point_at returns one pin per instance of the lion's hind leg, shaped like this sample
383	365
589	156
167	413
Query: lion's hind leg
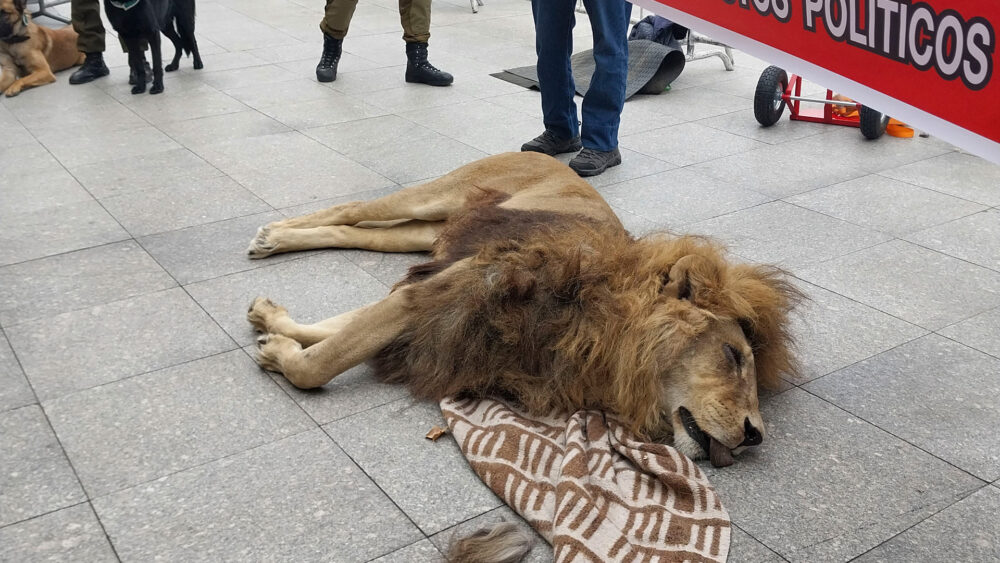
406	236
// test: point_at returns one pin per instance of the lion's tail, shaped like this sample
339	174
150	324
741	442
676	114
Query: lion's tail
500	543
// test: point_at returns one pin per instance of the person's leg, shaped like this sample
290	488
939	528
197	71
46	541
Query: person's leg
415	16
86	19
337	18
554	21
336	21
602	106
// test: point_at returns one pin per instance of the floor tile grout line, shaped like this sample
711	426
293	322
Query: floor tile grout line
221	171
895	239
904	440
197	466
44	514
862	360
917	523
868	227
425	538
969	346
769	548
960	259
372	479
62	448
856	301
134	376
882	174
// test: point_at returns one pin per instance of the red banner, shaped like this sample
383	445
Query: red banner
931	64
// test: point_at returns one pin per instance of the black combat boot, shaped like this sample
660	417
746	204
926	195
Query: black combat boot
326	70
419	70
133	79
92	69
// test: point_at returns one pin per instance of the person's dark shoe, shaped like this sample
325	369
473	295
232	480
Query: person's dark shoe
420	71
92	69
326	70
149	74
551	144
591	162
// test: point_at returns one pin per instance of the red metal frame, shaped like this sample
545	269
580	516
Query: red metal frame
815	115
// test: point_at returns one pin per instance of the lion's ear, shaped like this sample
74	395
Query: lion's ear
766	299
687	276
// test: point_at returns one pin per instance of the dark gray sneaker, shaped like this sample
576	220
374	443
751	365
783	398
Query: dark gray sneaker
591	162
551	145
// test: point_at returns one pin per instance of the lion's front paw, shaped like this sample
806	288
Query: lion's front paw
262	313
264	244
271	348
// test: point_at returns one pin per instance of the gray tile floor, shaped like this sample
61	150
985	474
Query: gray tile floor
134	424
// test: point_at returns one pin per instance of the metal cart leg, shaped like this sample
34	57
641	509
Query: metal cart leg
43	10
726	54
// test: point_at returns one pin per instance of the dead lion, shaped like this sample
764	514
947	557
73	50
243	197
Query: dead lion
537	294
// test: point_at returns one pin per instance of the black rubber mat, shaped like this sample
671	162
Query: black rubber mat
651	68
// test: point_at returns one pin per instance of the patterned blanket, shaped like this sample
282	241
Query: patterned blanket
589	487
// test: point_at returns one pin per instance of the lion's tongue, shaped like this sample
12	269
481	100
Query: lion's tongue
719	454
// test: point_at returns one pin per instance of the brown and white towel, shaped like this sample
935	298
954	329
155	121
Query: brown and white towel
590	487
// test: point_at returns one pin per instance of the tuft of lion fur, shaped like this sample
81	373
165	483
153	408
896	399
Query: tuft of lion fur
500	543
561	312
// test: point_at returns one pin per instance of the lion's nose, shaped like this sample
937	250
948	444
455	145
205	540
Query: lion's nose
751	436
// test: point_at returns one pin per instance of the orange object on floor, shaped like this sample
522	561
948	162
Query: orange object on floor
841	110
899	129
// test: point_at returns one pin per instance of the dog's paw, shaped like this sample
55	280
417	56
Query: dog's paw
198	64
262	245
156	89
12	91
171	67
139	88
262	311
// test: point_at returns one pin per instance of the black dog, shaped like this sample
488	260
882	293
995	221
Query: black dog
141	21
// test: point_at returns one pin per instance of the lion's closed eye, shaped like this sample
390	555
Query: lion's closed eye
734	356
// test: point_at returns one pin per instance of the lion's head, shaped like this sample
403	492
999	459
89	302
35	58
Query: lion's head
722	331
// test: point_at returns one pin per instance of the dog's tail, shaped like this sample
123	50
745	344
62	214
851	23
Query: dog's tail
183	22
500	543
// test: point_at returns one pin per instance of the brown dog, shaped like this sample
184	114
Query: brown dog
31	51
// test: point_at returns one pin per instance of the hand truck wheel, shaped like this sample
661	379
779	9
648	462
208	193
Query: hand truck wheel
768	100
873	122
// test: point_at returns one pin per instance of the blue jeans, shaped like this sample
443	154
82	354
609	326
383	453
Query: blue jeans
602	106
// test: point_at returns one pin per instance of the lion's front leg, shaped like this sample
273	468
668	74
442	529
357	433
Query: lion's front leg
270	318
275	351
347	341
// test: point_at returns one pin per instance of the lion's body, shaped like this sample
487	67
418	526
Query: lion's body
535	292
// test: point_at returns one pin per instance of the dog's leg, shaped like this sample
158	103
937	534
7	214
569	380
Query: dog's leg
9	71
187	33
39	74
154	47
184	16
171	33
268	318
409	236
37	78
137	64
360	338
